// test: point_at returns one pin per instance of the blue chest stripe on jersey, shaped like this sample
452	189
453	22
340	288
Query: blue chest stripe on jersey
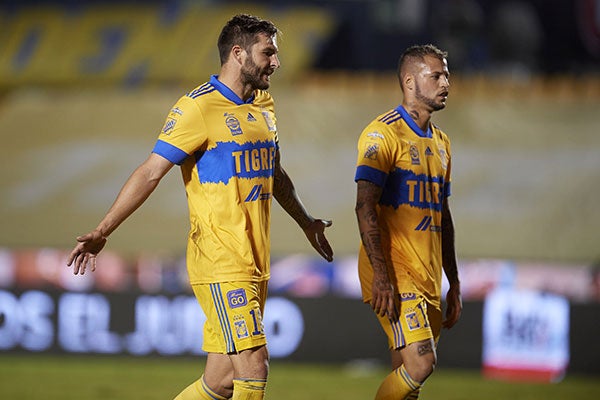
404	187
243	160
170	152
370	174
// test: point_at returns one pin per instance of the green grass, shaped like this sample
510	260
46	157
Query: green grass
91	378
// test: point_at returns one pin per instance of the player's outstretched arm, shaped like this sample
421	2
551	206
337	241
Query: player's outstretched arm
134	192
314	229
453	297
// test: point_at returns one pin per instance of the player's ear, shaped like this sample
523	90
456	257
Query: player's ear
408	81
237	53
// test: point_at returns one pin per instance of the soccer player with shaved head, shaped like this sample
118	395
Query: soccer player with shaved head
405	224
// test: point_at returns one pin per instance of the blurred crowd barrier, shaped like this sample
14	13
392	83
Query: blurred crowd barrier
521	321
296	275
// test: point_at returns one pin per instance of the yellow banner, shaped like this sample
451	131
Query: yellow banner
138	44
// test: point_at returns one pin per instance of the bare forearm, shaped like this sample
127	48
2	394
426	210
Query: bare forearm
368	225
448	250
285	194
371	239
134	193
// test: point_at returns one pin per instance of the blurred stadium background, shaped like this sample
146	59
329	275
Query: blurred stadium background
85	87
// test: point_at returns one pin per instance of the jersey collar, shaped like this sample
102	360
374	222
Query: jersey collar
412	124
228	93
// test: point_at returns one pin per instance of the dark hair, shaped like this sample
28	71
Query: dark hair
418	52
242	30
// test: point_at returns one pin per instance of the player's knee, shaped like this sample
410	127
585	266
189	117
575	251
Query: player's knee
221	385
261	361
254	363
422	368
420	361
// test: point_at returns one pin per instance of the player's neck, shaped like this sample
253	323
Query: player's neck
233	81
420	115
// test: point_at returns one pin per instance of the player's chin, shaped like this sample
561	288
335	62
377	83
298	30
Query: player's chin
265	83
439	105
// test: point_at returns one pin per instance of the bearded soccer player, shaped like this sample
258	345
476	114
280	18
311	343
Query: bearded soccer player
223	136
405	224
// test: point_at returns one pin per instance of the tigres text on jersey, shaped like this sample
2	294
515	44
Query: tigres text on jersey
226	148
413	168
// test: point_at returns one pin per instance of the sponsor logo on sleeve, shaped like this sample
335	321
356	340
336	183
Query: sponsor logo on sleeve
375	135
371	150
168	127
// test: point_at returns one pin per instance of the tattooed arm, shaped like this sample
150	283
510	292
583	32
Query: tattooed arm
285	194
453	297
384	299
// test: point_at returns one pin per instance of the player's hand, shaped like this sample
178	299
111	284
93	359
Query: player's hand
315	232
85	252
453	307
385	300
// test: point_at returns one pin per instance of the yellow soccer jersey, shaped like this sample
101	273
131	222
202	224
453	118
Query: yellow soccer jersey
226	149
413	168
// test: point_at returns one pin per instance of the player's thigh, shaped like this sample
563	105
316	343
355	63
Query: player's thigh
233	313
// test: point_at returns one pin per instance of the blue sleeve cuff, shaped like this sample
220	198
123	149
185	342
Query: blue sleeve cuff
170	152
364	172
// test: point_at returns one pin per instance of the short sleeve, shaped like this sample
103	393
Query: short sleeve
183	133
374	161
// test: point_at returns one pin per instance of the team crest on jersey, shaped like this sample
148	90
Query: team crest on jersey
233	124
269	120
412	321
169	125
414	155
241	329
443	157
371	151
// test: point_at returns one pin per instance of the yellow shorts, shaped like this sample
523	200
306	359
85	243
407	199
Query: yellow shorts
418	321
233	315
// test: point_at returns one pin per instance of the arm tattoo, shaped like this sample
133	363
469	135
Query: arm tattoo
285	194
368	195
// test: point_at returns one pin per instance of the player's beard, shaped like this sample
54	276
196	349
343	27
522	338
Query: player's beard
251	75
429	102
